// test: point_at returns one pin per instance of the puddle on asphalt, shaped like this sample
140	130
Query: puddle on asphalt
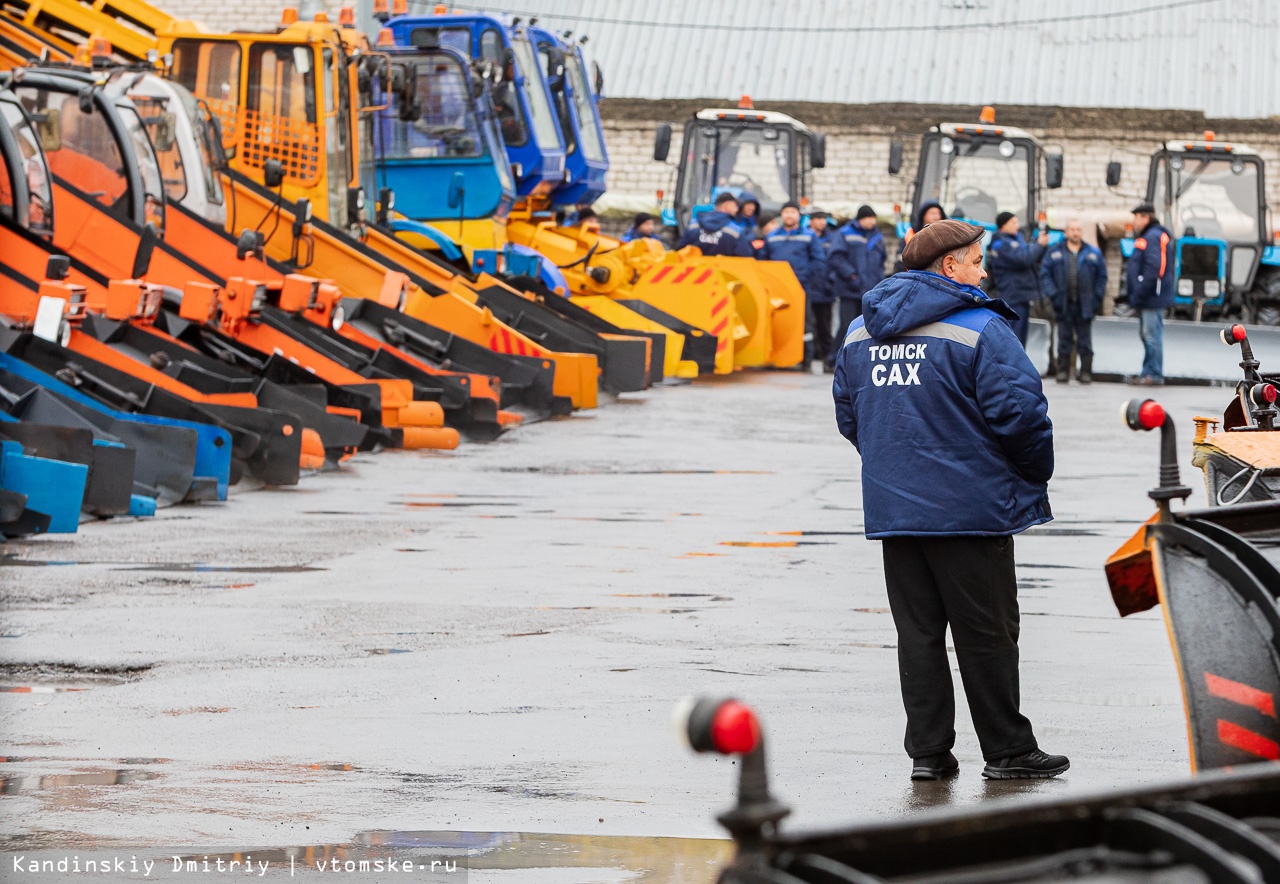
14	785
443	504
585	471
1062	532
774	544
8	560
56	678
672	595
872	611
201	568
379	652
506	856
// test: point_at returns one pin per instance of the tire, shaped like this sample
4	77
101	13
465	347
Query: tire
1269	314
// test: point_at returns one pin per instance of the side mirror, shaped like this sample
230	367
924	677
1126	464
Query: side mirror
895	157
508	63
49	128
1113	174
662	142
164	132
598	78
386	205
555	69
457	190
1053	170
146	246
86	100
57	267
301	216
818	150
272	174
251	242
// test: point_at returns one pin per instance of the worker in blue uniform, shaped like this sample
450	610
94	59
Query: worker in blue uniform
949	417
716	232
1015	269
798	246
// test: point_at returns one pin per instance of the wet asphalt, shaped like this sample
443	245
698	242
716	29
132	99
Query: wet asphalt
489	641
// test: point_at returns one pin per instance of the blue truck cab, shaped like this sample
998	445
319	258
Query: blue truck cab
575	101
522	100
1211	197
437	148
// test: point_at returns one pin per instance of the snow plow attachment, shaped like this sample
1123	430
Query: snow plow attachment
1221	826
1215	573
1192	350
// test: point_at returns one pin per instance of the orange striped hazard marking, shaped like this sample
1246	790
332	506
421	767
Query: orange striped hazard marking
1247	741
1237	692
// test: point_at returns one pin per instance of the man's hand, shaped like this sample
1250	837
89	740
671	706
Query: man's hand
774	224
1043	239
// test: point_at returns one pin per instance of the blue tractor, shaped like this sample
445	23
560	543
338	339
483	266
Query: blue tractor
1211	195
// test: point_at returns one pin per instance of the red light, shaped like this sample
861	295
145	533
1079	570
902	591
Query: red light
734	729
1150	414
1234	334
1265	392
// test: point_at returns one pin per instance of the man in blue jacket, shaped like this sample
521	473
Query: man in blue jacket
1015	270
822	296
856	269
940	399
716	233
1073	276
799	247
1149	281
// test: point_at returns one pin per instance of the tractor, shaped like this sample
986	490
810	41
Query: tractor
741	150
1211	196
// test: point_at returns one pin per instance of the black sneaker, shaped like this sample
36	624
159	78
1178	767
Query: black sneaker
934	767
1033	765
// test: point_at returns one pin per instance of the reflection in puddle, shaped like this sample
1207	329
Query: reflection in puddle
14	785
610	857
774	544
233	569
378	652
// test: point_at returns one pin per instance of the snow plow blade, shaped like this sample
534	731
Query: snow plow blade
1193	352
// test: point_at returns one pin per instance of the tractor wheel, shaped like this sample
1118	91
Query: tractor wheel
1266	294
1269	314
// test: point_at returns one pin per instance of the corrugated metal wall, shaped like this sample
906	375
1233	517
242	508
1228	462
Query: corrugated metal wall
1218	56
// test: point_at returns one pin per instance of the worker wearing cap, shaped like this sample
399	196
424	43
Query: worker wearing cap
822	295
642	227
936	393
1015	269
716	232
856	269
787	241
1150	285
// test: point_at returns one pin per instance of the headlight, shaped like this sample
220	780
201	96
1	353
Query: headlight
1185	287
339	317
1006	149
946	145
1212	287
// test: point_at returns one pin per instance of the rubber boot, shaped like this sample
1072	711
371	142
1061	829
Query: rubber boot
1064	369
1086	369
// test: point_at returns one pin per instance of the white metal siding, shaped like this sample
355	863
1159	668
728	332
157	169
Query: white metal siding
1217	56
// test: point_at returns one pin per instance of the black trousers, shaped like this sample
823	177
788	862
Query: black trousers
969	583
1074	332
850	309
822	331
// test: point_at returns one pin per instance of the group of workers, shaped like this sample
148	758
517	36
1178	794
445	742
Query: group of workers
838	264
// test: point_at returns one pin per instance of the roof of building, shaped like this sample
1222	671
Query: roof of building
1216	56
